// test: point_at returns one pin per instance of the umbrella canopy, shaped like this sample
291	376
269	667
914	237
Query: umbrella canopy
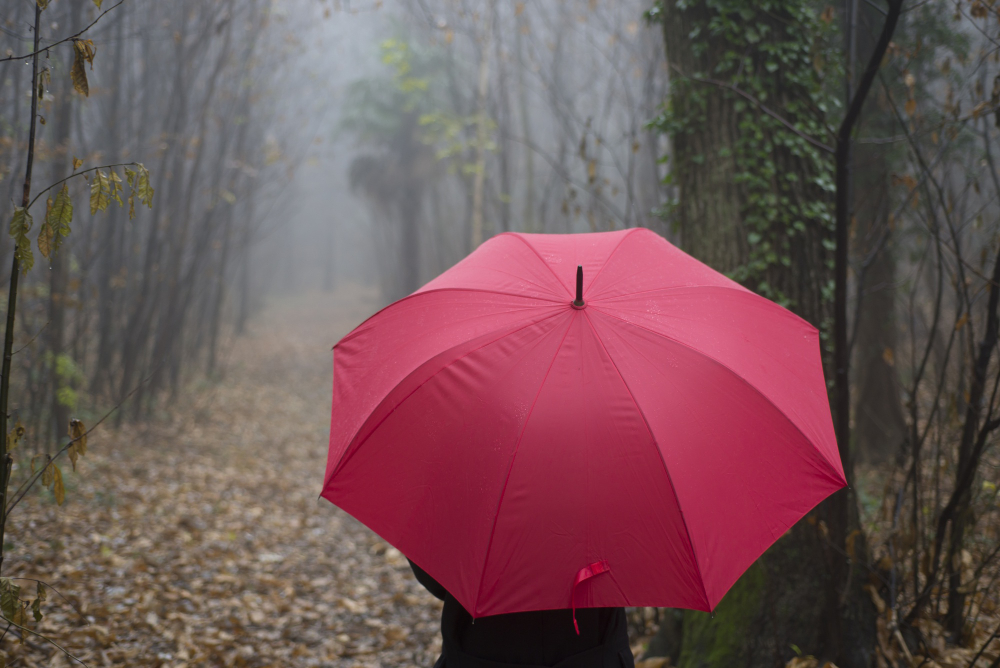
642	448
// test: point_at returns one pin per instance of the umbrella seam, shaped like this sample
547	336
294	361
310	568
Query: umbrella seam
510	468
736	290
353	447
607	260
357	329
666	470
731	372
539	256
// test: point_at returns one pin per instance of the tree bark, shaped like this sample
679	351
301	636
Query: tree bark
799	592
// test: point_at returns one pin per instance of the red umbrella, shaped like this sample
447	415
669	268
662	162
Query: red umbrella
531	452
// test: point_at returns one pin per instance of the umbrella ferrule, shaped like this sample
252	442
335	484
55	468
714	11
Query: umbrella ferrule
579	303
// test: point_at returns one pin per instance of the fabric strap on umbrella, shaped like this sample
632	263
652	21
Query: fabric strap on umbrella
586	573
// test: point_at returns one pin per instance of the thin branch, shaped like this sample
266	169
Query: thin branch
982	649
67	39
50	641
58	593
760	105
75	174
32	339
26	486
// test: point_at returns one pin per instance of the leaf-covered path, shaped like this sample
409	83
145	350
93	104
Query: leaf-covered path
199	540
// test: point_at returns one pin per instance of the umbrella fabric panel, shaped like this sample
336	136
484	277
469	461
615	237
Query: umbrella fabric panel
586	484
561	254
505	264
743	472
772	349
645	261
428	479
378	355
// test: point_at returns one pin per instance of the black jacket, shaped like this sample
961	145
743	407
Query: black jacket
545	638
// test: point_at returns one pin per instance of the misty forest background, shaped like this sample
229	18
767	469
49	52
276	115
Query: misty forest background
313	156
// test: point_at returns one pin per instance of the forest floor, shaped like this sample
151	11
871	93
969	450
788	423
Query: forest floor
200	539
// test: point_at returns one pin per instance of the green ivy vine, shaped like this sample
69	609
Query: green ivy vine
781	53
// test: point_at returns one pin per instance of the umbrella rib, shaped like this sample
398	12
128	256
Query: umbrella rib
510	468
666	470
540	258
753	388
355	444
673	288
352	333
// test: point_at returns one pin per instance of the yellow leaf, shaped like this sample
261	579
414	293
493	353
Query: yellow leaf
142	189
84	52
911	107
48	475
45	236
78	432
77	163
73	455
97	3
15	435
79	76
57	487
100	192
58	218
20	225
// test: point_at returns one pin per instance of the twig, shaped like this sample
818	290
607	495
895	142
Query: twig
67	39
50	641
972	664
760	105
27	484
32	339
59	594
75	174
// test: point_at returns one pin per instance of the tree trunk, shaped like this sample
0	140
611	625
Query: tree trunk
879	422
728	162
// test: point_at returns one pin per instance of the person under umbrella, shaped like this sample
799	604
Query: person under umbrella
637	441
540	638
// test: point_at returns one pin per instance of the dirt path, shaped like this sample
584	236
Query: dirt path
199	541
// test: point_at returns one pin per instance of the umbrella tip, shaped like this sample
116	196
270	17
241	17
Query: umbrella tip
578	303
